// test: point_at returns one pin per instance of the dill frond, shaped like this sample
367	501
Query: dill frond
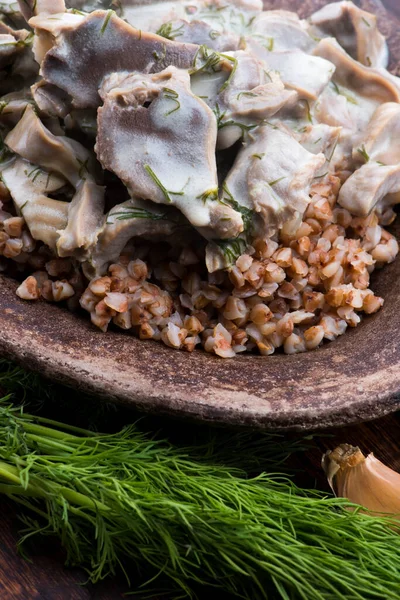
166	193
127	498
346	94
363	153
172	95
232	248
247	213
167	31
106	21
136	213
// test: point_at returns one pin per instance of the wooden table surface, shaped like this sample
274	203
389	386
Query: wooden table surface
46	579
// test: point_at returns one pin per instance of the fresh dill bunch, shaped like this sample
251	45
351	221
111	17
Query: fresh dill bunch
245	449
126	499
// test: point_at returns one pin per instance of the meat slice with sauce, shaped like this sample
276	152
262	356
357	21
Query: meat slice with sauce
160	138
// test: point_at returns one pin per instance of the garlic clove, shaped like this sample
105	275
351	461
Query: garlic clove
364	480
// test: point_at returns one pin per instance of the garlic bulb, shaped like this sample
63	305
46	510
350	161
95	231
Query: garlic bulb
363	480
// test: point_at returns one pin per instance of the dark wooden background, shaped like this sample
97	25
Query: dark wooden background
46	579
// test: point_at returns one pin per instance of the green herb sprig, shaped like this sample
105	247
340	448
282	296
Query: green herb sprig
232	249
345	93
247	213
136	213
110	498
362	151
106	21
166	193
210	61
167	31
172	95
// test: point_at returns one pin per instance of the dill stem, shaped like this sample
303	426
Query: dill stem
65	426
40	430
83	501
49	443
17	491
9	473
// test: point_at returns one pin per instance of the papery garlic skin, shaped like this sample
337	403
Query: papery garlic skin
363	480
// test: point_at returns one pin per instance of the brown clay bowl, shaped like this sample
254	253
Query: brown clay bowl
353	379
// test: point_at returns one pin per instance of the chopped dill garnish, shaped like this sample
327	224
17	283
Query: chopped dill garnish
160	57
211	61
265	122
270	45
241	126
366	22
106	21
218	114
172	95
344	93
158	183
230	123
27	41
9	44
250	94
333	150
247	213
317	141
363	153
369	61
308	109
266	73
336	87
35	172
49	174
211	58
167	31
221	123
166	193
209	195
228	81
214	34
381	164
272	183
232	248
259	156
135	213
23	206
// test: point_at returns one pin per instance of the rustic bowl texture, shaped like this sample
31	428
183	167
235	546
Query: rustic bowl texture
352	379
